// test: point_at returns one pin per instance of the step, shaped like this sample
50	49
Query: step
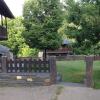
21	84
9	82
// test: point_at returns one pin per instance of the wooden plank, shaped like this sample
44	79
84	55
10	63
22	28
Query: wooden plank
25	65
53	72
39	65
89	71
96	58
20	65
15	67
34	65
30	65
4	62
70	57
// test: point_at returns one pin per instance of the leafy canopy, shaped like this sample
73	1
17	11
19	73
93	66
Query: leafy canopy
42	19
82	20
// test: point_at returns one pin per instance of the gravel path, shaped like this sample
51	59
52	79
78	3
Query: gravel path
54	92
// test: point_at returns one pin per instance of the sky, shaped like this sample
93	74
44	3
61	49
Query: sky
15	6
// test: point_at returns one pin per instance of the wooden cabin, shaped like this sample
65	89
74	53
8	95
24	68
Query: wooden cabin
64	50
5	13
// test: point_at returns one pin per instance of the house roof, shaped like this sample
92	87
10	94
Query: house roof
65	41
4	49
4	10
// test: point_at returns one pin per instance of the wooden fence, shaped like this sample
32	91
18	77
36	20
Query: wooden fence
27	66
89	65
23	66
70	57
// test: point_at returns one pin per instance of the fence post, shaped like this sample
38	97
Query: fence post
89	71
53	72
4	63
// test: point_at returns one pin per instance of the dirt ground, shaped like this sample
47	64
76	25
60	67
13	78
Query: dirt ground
54	92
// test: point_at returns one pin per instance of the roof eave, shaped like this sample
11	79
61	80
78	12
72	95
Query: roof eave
4	10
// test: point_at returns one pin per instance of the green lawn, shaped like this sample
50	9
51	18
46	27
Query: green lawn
74	71
96	74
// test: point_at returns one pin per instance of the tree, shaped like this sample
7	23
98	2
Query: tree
42	19
15	40
82	21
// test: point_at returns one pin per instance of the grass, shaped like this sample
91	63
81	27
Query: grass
74	71
96	74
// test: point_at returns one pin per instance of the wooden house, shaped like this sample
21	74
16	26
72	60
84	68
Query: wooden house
5	13
64	50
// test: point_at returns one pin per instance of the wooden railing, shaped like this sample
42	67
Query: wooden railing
3	33
70	57
29	66
89	65
22	66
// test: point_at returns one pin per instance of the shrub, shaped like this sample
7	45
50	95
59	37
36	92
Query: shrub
28	52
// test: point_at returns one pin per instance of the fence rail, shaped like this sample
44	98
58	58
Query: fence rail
76	57
70	57
28	66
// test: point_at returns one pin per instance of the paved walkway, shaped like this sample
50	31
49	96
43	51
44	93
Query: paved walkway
54	92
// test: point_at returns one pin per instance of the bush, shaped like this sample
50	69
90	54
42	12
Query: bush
87	49
28	52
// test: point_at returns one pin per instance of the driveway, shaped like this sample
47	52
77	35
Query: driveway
54	92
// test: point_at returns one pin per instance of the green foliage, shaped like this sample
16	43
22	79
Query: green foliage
82	22
42	21
46	22
15	40
87	48
28	52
